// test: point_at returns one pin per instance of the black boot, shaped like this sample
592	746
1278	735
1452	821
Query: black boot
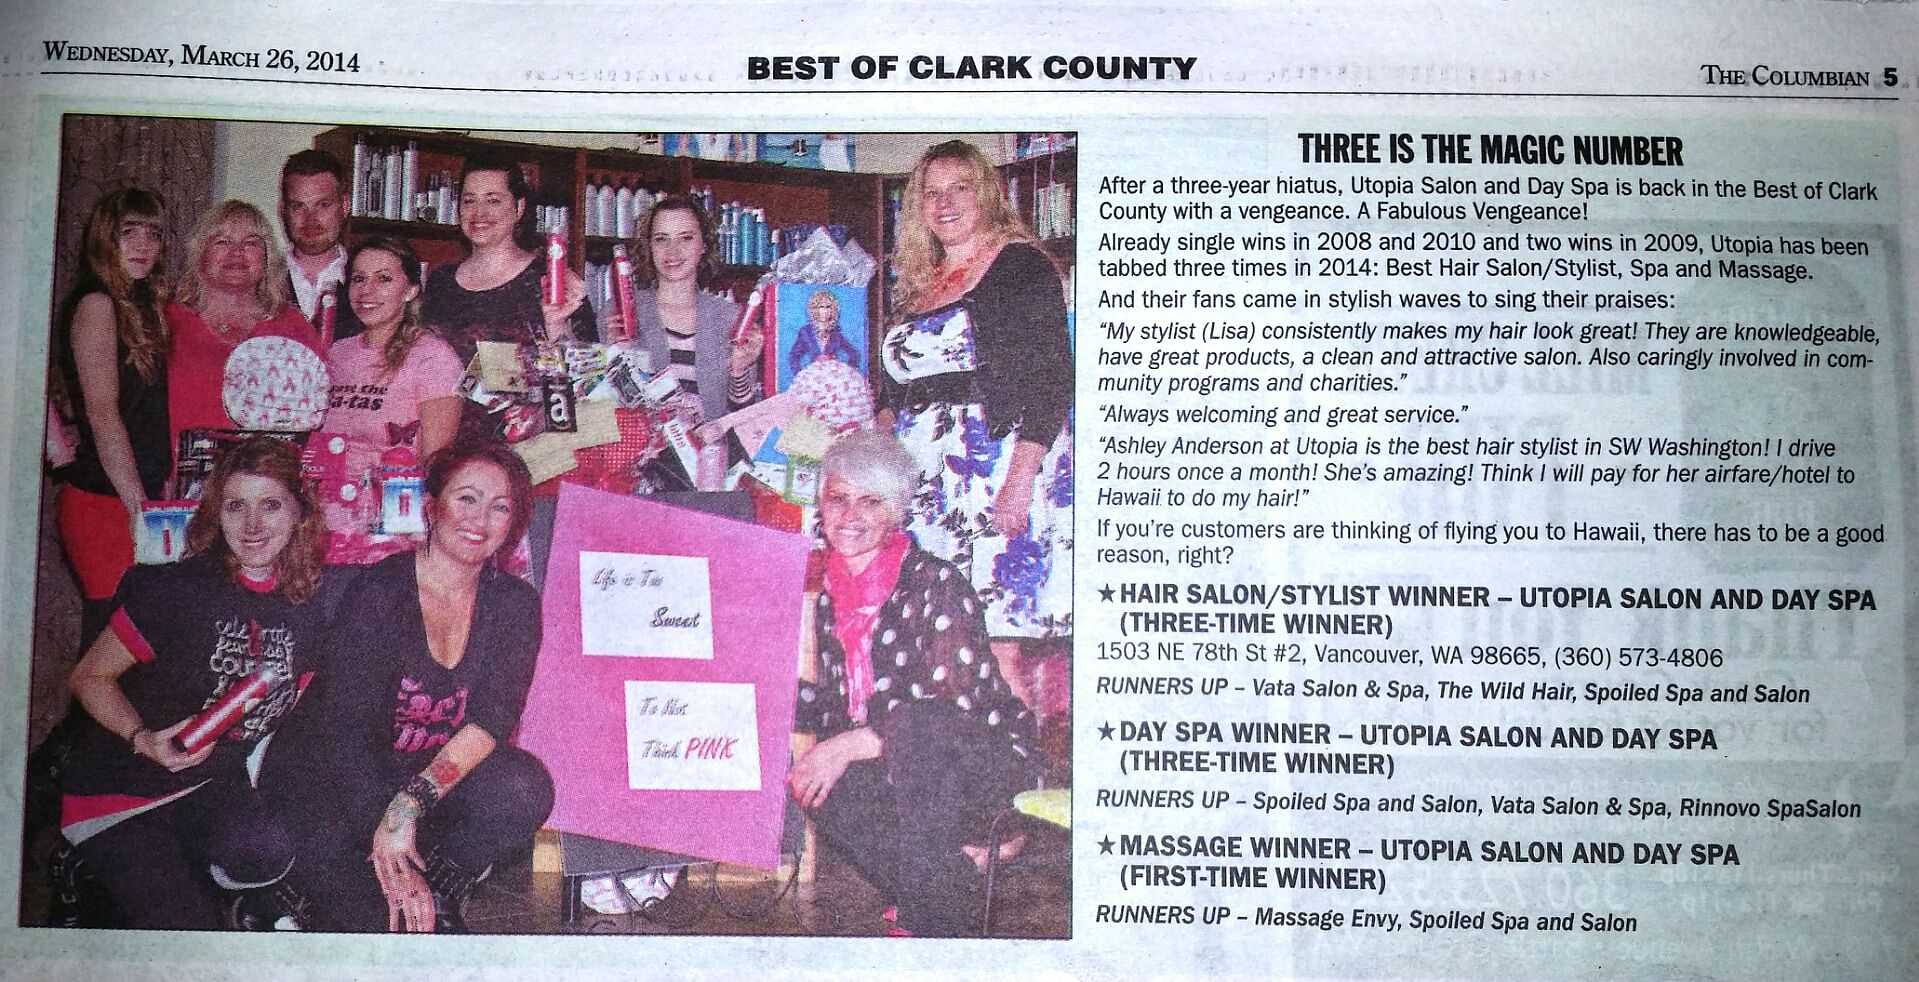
279	907
78	899
45	766
452	885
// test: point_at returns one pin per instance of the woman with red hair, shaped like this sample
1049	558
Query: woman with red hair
149	809
408	733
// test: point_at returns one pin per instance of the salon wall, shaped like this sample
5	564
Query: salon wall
247	159
247	156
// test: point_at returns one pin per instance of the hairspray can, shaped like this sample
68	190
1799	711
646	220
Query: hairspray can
227	710
623	290
555	268
327	304
357	205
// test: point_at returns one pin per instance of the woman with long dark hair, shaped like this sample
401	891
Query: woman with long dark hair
689	332
153	813
113	366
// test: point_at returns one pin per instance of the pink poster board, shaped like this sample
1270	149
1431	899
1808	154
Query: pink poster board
671	737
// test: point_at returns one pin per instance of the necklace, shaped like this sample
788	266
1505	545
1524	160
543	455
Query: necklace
949	281
225	326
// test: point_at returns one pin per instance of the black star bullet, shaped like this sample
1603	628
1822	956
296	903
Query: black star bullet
1105	731
1106	846
1106	593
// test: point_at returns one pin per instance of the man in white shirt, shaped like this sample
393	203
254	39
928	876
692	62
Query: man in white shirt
313	212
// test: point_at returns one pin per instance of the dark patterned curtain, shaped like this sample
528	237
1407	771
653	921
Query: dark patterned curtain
98	154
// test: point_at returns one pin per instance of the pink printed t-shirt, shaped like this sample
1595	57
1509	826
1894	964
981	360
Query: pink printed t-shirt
377	412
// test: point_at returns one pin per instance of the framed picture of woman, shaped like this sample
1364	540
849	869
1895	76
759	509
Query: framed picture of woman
816	321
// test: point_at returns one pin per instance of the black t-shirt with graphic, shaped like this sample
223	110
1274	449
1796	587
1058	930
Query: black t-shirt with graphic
194	633
385	695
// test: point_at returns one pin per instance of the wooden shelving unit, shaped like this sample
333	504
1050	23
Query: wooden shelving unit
560	176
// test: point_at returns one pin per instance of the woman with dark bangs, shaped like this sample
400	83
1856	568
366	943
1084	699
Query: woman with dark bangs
151	811
687	332
113	366
496	293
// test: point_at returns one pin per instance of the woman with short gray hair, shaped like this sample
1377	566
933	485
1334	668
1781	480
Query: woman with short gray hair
923	741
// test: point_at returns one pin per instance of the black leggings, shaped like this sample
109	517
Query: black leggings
901	819
489	817
155	865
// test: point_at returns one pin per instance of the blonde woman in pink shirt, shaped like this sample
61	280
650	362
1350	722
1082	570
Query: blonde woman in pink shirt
395	393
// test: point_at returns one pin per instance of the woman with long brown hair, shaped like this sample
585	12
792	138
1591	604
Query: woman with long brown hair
979	384
395	392
687	331
155	814
113	366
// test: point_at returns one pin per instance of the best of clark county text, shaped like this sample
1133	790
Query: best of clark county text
1127	67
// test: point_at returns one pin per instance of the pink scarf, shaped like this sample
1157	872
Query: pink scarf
857	598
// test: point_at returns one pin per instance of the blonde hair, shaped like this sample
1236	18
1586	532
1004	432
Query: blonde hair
919	254
272	289
409	331
141	330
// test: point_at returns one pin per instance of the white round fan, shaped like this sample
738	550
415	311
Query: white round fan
274	383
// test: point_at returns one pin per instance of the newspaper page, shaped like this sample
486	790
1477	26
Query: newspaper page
1314	491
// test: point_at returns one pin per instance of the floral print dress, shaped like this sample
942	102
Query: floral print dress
1011	326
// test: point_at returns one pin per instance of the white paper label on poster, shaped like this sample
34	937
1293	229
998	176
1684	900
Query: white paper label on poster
639	606
691	736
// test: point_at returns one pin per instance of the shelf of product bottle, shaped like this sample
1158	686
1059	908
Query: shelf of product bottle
612	206
386	183
551	218
1049	205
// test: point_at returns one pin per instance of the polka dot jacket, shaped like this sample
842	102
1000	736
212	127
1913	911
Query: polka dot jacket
928	643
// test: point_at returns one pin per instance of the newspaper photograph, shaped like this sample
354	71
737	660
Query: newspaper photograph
1326	492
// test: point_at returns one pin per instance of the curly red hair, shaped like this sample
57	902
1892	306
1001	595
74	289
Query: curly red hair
298	567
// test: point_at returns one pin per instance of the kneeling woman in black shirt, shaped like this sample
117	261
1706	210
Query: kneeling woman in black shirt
151	816
406	741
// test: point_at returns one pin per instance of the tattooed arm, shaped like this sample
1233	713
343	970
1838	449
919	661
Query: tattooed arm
396	856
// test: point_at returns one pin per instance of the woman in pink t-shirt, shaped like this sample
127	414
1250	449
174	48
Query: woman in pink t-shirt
395	394
234	289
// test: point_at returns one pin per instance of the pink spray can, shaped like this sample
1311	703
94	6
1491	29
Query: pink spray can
623	290
227	710
327	313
